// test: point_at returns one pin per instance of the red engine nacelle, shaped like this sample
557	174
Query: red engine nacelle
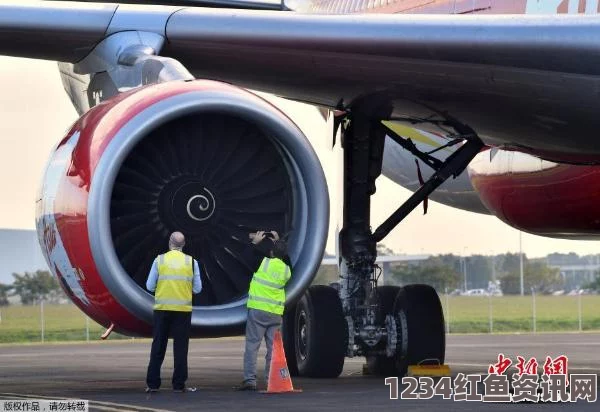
538	196
211	160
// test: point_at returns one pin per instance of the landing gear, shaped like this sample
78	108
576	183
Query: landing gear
320	333
392	327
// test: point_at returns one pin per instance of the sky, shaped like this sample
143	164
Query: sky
35	113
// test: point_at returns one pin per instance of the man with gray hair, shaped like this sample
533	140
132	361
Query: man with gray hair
174	276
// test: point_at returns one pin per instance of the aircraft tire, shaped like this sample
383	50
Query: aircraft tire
420	323
321	335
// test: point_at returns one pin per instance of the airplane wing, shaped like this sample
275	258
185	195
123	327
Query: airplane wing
523	81
53	31
68	31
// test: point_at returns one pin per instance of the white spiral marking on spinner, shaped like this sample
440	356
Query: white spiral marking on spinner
205	203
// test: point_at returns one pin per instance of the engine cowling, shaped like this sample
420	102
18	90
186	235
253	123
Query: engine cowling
208	159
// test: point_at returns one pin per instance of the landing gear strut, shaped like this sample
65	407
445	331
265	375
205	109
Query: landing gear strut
392	327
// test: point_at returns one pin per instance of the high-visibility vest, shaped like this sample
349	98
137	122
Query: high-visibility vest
267	291
175	278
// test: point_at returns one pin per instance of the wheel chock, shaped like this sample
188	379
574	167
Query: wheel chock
428	370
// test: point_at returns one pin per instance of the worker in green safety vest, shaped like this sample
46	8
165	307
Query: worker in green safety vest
266	301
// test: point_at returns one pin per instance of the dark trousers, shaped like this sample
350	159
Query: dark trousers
177	325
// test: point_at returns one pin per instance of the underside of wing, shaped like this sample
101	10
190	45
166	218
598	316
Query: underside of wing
520	81
53	30
527	82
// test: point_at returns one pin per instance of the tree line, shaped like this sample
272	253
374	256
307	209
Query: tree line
443	275
32	287
446	273
443	272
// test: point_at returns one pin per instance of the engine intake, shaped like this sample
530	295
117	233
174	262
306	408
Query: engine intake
215	177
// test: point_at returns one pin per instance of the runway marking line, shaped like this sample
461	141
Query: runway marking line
107	406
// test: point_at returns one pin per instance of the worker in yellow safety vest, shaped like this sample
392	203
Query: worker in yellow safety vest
173	278
266	301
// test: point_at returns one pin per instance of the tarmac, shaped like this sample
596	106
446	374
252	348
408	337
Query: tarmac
111	376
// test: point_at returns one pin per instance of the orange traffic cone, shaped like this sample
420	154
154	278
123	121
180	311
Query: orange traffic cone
280	380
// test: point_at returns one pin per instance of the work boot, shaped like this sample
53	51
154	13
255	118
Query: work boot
246	386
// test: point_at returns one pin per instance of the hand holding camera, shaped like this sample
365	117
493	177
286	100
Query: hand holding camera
259	236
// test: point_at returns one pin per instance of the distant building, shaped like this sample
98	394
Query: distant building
21	253
575	270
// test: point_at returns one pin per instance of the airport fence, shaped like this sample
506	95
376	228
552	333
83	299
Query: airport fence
45	322
530	313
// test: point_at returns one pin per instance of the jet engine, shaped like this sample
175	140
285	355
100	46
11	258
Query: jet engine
205	158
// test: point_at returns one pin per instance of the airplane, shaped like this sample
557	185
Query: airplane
485	105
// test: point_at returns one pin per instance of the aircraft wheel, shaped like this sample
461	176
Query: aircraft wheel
381	365
321	335
420	325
